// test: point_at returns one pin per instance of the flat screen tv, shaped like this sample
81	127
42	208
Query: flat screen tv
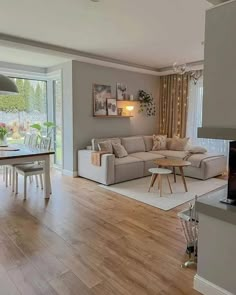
231	197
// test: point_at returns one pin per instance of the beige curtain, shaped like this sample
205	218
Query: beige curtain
173	105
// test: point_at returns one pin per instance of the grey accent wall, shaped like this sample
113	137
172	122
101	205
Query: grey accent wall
219	72
85	125
79	124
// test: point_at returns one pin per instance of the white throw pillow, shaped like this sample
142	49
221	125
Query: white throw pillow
178	144
105	146
197	150
159	142
119	150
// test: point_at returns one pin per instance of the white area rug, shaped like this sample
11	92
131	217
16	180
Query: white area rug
138	189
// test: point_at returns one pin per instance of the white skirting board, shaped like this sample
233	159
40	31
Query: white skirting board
207	288
70	173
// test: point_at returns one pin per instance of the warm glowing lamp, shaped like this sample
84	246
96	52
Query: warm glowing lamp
130	109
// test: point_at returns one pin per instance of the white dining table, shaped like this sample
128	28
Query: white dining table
21	154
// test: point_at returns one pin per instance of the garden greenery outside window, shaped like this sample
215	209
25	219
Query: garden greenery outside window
20	111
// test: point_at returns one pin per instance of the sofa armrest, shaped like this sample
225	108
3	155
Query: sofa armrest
104	174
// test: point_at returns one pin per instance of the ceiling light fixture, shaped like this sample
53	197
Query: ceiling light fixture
182	69
7	86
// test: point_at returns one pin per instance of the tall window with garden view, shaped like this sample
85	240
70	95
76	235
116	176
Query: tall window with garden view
20	111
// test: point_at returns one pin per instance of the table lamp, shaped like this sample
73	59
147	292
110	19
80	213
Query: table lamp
130	109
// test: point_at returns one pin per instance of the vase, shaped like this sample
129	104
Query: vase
3	140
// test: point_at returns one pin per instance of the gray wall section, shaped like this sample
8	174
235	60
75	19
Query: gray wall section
219	67
85	125
79	124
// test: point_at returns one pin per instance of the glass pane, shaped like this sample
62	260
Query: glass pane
20	111
58	121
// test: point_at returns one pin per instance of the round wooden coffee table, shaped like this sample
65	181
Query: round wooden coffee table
174	163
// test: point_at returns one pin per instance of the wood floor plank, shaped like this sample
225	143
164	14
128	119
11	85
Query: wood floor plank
88	241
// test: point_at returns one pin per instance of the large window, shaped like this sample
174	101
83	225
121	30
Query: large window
20	111
195	120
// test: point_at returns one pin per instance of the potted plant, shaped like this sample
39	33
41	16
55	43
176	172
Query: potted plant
3	133
147	103
44	129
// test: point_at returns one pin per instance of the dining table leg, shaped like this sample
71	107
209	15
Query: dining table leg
47	189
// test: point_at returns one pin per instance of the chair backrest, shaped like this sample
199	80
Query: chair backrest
34	140
45	143
27	139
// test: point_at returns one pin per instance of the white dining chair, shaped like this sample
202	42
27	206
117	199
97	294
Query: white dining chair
34	169
30	140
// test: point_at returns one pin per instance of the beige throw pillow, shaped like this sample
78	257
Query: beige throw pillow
105	146
119	150
178	144
159	142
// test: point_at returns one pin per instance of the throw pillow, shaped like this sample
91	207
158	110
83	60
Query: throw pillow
178	144
159	142
119	150
105	146
197	150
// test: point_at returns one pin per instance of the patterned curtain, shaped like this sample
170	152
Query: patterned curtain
173	105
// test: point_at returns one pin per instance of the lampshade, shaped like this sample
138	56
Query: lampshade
7	86
130	108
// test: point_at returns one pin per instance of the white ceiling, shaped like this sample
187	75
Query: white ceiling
30	58
153	33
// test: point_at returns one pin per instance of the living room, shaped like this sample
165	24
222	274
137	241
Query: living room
114	153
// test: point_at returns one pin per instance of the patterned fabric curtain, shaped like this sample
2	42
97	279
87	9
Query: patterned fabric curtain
173	105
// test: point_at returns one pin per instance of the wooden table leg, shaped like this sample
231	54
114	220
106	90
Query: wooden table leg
153	179
174	174
160	184
169	184
183	178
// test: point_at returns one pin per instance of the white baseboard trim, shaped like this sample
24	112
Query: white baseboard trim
207	288
70	173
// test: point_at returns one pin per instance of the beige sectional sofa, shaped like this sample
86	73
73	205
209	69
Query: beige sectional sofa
141	158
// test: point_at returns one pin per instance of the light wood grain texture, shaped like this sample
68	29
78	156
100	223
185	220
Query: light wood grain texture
89	241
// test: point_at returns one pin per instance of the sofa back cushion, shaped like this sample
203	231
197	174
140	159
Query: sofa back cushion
96	141
133	144
148	141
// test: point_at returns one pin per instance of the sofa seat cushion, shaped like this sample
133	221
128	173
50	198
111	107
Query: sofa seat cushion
171	154
128	168
147	156
148	160
126	160
133	144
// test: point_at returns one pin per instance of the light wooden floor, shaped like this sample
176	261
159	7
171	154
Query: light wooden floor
88	241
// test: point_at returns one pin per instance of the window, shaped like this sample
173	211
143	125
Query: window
195	120
57	98
20	111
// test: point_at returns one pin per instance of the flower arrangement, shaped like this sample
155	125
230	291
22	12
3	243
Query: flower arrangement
147	103
3	132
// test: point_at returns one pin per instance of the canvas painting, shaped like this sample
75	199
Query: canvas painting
121	91
111	107
101	93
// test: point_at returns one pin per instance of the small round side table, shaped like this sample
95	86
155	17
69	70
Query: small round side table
157	173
